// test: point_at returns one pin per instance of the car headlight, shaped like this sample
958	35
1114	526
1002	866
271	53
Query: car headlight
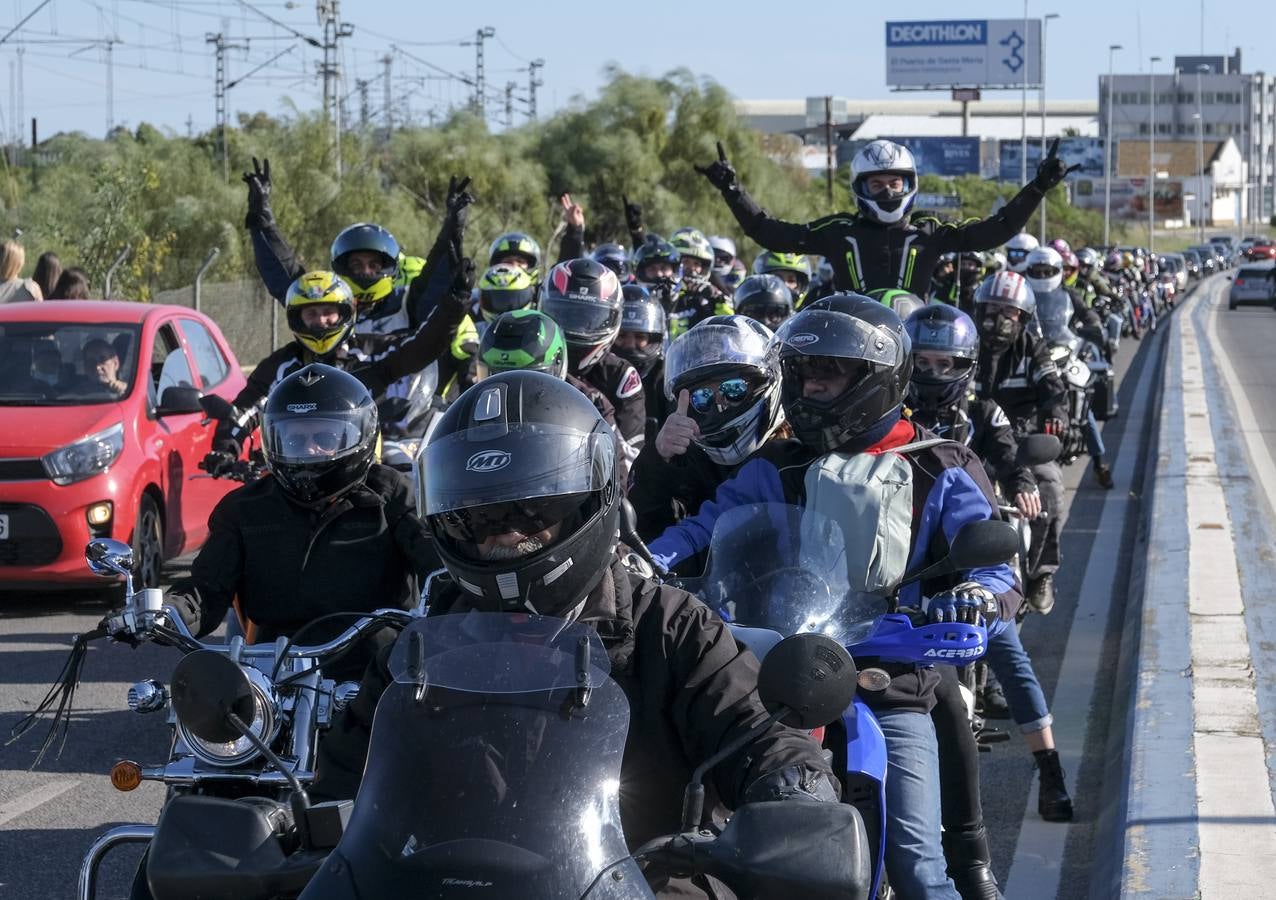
85	458
264	724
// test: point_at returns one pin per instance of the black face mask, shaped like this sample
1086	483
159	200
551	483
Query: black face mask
996	330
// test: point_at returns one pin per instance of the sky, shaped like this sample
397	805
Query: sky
163	70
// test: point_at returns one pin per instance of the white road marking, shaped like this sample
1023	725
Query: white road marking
1038	863
33	799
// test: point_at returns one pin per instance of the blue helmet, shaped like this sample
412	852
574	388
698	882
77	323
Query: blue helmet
945	329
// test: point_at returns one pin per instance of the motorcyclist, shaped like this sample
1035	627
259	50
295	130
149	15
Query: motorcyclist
1062	312
822	285
1099	296
793	269
943	281
585	299
541	539
727	268
644	331
529	340
764	298
322	315
1015	370
385	282
658	265
726	386
1017	250
503	288
697	299
514	248
327	531
845	364
945	347
614	257
878	246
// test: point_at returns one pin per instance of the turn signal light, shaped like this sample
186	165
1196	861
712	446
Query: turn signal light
126	775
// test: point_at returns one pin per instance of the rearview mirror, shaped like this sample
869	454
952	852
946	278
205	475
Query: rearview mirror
178	401
983	543
206	686
108	557
1038	449
811	674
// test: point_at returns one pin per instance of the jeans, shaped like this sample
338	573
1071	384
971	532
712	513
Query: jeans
914	855
1093	439
1010	663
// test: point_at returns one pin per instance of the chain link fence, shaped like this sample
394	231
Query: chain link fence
252	321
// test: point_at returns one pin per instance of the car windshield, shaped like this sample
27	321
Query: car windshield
66	363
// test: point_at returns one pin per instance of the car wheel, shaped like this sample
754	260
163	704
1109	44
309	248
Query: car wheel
1231	305
148	545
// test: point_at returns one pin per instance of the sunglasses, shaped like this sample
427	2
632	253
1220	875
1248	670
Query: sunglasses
477	523
733	390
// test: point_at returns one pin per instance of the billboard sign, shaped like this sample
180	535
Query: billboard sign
1074	151
1130	197
943	155
988	53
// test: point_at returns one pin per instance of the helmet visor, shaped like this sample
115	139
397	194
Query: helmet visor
488	465
819	332
714	349
583	320
311	438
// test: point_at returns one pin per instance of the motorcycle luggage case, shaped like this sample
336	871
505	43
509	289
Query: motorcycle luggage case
1104	400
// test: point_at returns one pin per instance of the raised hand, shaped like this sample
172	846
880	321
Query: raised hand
633	214
573	213
679	430
1052	170
720	172
258	181
459	200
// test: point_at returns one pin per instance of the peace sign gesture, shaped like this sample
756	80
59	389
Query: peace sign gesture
1052	170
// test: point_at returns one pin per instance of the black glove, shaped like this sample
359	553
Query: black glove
218	462
969	603
463	279
720	172
258	181
458	202
1052	170
633	214
793	783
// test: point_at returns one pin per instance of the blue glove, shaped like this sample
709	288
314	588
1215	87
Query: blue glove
969	603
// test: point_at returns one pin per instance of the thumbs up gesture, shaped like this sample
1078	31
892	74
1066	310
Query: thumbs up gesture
679	430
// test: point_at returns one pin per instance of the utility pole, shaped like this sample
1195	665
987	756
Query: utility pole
387	115
828	146
1152	61
1108	144
219	42
20	115
509	105
532	84
361	84
1041	67
110	85
330	70
480	35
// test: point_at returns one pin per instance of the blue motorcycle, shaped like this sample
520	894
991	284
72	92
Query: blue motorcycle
776	570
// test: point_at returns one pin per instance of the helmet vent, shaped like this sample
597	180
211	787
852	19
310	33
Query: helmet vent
507	584
552	575
488	406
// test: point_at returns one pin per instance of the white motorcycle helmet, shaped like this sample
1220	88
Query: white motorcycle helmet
1017	250
1043	268
884	158
723	254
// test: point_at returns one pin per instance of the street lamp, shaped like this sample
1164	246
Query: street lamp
1200	158
1107	154
1151	144
1045	29
1023	107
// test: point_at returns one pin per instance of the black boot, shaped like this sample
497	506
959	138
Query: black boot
1103	475
1053	802
993	701
970	863
1041	594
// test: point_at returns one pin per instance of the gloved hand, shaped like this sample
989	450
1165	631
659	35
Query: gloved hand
218	462
458	202
258	181
464	278
793	783
1052	170
720	172
969	603
633	214
678	431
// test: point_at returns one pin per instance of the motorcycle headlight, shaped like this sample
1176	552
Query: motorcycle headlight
264	724
85	458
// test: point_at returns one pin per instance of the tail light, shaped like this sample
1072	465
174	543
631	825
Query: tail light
1239	282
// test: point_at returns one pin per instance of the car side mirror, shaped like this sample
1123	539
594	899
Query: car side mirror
177	401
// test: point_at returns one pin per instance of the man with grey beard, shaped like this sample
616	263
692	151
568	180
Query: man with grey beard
521	493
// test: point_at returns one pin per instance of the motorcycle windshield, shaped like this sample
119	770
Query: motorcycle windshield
499	777
782	567
1054	310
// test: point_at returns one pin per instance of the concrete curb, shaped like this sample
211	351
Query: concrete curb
1157	831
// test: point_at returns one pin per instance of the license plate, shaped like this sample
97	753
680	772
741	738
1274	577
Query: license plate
4	526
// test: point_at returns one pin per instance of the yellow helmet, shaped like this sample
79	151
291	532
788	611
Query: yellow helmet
320	289
1127	258
365	237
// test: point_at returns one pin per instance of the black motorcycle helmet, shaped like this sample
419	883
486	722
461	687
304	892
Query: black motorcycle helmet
523	452
319	433
764	298
854	336
943	329
614	257
585	299
364	236
641	314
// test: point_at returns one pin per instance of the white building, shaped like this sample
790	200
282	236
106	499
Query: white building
1213	189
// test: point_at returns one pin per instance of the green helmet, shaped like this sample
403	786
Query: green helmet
516	245
504	288
903	302
691	244
794	264
523	339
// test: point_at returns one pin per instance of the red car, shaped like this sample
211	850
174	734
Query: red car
1260	252
100	433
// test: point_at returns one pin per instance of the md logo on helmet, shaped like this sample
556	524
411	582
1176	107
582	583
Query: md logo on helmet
487	461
